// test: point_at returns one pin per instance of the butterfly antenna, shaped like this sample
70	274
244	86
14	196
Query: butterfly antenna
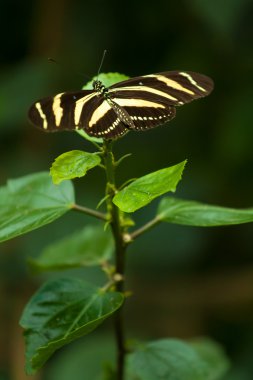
52	60
102	60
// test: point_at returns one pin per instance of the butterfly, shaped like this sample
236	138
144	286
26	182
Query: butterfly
138	103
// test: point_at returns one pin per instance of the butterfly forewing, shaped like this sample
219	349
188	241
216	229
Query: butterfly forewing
63	111
174	87
135	104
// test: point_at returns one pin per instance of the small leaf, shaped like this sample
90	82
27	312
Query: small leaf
73	164
170	359
191	213
108	79
90	246
61	311
143	190
31	202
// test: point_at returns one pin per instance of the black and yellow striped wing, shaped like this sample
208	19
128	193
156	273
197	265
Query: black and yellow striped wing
77	110
136	104
63	111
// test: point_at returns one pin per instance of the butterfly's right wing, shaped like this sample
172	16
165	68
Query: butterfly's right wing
77	110
63	111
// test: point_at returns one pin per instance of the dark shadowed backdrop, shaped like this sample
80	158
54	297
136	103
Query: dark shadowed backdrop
187	281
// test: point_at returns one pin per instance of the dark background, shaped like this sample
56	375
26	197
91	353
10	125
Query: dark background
187	281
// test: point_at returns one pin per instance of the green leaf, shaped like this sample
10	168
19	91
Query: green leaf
90	246
73	164
61	311
170	359
213	354
191	213
143	190
108	79
92	357
31	202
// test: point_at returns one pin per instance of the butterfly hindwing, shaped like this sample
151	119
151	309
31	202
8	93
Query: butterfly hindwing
148	118
105	121
144	112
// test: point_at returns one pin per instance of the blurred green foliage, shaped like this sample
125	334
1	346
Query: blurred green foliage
215	134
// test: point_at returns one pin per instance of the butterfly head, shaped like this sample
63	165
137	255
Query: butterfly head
99	87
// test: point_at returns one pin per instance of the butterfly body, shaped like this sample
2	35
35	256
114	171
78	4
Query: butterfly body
138	103
99	87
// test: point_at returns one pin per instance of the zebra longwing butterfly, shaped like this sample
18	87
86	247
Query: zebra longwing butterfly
138	103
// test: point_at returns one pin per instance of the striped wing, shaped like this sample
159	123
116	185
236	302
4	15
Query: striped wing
78	110
143	114
63	111
139	103
171	87
150	100
107	120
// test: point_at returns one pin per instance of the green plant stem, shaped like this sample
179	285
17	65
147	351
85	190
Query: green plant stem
120	248
89	211
152	223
